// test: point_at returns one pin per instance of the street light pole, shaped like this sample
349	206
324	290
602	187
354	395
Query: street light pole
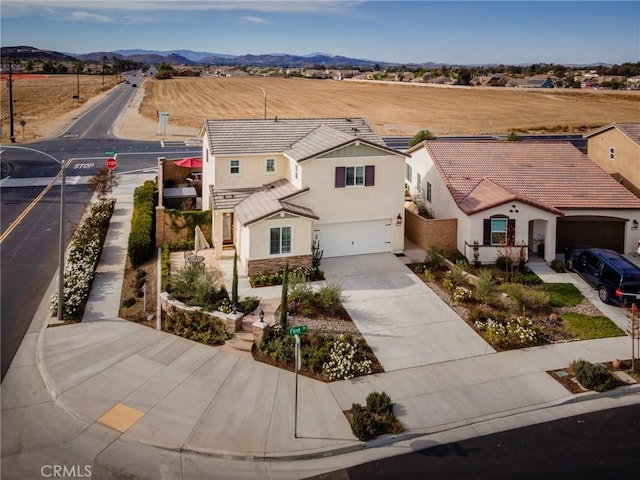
61	245
264	94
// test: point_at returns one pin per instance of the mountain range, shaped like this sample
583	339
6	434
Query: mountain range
190	57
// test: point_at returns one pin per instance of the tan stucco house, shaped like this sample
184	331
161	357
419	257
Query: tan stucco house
275	185
523	193
616	148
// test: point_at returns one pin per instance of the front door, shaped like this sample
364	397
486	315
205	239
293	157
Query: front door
227	228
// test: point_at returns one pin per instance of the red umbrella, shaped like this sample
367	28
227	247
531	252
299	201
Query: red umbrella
191	162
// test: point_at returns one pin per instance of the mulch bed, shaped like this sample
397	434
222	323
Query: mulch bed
569	381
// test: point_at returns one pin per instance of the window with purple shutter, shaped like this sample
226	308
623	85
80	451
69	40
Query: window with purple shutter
369	175
340	177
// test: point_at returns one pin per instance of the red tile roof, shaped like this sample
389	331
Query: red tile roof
550	175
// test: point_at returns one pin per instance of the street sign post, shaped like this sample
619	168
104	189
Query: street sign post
291	331
111	152
296	332
111	163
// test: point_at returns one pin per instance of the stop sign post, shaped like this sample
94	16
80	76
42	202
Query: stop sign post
111	163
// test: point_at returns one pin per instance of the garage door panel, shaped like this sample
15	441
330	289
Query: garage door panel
600	232
354	238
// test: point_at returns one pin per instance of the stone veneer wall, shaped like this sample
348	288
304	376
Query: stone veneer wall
427	233
275	264
231	321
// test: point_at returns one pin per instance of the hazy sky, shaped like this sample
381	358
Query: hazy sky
462	32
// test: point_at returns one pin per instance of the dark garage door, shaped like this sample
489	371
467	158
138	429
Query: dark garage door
602	232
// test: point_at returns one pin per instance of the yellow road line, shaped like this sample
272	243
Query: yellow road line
26	211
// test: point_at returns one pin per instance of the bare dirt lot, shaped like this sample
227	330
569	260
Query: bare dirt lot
391	108
46	104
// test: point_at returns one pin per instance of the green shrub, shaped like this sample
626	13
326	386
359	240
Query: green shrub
248	304
375	418
129	302
196	326
330	297
594	377
142	235
379	403
429	276
195	285
280	347
363	423
457	274
434	259
486	287
558	266
166	268
300	290
526	297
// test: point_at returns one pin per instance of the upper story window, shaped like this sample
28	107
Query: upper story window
407	172
296	171
428	192
234	167
355	176
612	153
270	165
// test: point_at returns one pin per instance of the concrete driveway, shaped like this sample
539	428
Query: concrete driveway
404	322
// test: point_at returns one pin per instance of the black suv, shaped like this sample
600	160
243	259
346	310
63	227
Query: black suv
616	278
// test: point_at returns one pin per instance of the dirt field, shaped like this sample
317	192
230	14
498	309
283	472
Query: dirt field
46	103
390	108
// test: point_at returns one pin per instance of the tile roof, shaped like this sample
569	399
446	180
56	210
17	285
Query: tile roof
631	130
270	199
227	199
551	175
277	135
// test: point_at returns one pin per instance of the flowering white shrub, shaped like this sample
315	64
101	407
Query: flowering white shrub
461	293
342	363
514	332
82	259
225	306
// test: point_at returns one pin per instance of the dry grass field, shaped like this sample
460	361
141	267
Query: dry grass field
392	109
46	103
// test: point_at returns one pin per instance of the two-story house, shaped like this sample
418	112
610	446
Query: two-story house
616	148
277	185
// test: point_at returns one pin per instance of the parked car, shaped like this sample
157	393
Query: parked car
134	84
616	278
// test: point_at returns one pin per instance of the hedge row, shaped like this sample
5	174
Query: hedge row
142	236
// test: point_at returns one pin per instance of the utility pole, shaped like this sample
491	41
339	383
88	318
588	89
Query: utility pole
12	137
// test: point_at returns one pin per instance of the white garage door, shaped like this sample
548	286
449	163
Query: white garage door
354	238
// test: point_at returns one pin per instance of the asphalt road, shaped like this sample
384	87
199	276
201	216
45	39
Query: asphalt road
30	225
600	445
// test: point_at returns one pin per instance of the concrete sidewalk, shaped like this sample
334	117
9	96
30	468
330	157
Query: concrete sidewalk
130	401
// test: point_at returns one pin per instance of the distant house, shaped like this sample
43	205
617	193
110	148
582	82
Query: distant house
498	80
540	81
616	148
275	185
523	193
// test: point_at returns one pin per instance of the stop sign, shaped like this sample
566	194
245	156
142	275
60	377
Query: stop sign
111	163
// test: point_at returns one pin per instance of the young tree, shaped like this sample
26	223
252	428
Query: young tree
234	283
421	136
103	182
284	302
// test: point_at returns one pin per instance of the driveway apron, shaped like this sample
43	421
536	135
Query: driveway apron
404	322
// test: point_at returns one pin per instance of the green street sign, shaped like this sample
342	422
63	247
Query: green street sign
296	330
111	152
